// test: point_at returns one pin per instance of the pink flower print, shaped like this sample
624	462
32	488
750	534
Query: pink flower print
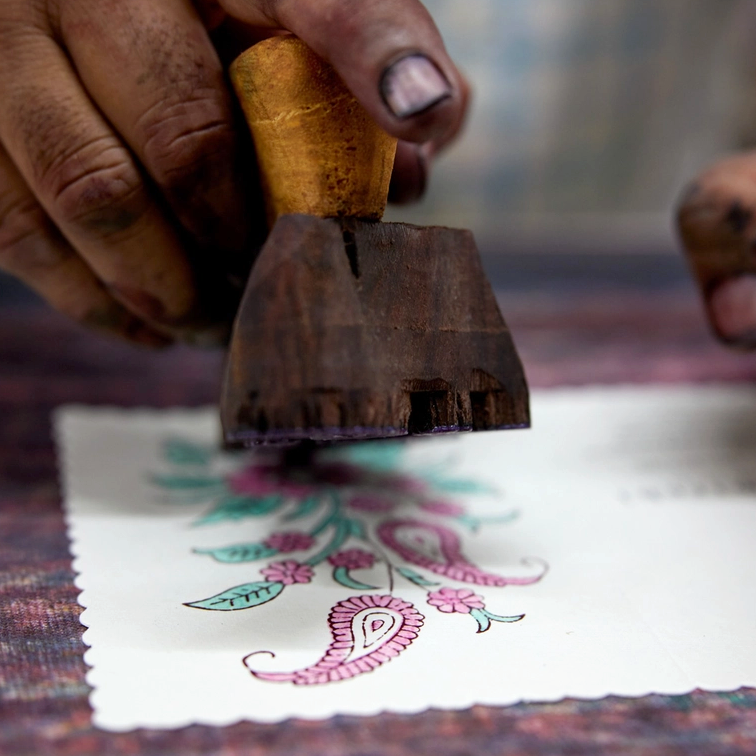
352	559
252	481
285	543
263	480
375	504
288	572
445	508
461	600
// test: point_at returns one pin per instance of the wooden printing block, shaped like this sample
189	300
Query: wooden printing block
351	328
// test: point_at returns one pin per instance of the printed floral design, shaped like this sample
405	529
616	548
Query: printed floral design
449	600
464	601
352	559
288	572
438	549
357	510
285	543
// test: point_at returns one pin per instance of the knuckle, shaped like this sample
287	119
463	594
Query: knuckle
363	28
17	27
9	33
82	178
96	186
186	140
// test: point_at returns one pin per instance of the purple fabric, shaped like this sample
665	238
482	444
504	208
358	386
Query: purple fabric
577	337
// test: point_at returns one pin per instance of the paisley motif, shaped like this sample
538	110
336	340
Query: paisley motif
367	631
439	550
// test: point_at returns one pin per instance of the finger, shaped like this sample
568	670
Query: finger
388	52
410	176
33	250
88	183
162	87
232	37
717	221
211	13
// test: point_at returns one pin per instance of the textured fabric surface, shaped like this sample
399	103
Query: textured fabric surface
589	332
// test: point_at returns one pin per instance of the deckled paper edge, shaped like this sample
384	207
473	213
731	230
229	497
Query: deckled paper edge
87	616
61	418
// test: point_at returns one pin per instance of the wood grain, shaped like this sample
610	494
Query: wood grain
318	150
351	329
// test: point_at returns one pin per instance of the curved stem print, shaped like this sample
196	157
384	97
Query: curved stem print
340	532
384	557
333	513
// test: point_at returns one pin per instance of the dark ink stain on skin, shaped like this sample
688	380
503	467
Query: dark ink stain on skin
53	134
48	127
109	214
738	217
172	61
188	135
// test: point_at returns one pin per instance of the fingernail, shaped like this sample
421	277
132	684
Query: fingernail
733	309
140	302
412	85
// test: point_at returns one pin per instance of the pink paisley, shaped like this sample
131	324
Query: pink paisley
447	560
367	631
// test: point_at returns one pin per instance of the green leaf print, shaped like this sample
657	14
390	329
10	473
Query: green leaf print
342	577
233	507
242	552
415	578
187	482
241	597
178	451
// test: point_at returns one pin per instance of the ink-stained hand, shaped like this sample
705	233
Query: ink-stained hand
717	221
128	197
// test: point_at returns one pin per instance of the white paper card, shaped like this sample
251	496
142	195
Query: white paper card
609	550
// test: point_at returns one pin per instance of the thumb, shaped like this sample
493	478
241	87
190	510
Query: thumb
388	52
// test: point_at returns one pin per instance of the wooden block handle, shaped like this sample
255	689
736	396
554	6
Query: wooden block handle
319	151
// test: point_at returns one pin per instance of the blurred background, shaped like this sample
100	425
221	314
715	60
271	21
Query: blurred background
589	118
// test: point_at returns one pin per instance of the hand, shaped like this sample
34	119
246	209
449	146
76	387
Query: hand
125	192
717	220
